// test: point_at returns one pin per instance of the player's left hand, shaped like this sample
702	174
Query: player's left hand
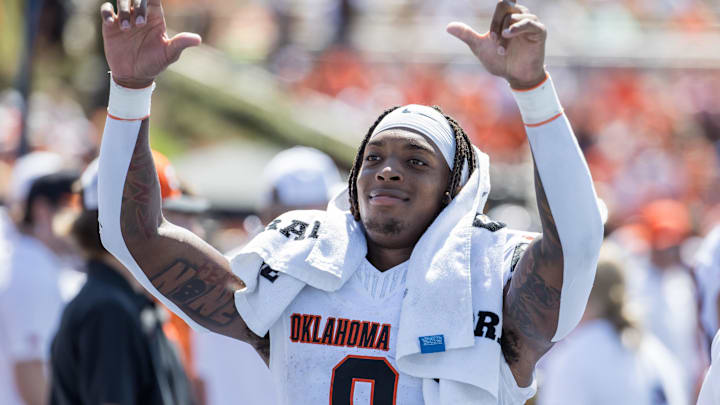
514	48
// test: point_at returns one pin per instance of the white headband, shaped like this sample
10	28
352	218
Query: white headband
428	122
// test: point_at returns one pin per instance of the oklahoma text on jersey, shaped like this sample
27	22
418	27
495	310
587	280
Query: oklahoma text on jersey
306	328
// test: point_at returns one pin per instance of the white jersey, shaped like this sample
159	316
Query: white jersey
340	346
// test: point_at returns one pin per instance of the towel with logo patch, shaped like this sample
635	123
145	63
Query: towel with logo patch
311	247
323	250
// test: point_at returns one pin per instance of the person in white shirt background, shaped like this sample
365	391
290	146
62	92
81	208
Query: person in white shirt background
660	284
609	359
296	178
36	275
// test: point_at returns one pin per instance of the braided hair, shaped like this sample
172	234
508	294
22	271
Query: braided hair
463	153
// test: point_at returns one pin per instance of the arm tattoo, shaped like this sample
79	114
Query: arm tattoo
183	268
531	302
205	292
509	344
141	212
532	299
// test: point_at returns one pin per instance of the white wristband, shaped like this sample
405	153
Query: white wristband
129	104
539	104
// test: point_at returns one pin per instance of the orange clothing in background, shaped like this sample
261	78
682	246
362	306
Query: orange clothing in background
178	332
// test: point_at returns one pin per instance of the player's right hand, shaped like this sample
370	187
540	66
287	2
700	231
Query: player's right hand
137	47
514	48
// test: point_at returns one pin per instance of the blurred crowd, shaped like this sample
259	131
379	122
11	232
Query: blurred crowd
651	138
647	135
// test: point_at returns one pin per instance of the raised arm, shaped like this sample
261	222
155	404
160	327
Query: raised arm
181	270
549	290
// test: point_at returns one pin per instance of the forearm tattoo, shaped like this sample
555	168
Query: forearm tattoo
203	292
183	268
141	195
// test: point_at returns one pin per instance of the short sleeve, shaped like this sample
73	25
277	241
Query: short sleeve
113	360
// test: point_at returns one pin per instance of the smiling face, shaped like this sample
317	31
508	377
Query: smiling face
400	187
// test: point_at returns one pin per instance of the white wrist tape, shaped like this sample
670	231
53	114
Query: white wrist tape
129	104
570	193
116	150
538	104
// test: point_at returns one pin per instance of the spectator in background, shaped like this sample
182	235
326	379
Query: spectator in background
34	282
299	178
608	359
296	178
110	347
662	288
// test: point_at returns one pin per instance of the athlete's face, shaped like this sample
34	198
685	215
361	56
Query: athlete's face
400	187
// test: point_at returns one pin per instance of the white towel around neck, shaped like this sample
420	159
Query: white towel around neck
439	299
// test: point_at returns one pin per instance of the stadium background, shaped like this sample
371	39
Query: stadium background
639	79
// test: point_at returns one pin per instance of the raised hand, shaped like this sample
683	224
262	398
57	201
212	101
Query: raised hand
137	47
514	48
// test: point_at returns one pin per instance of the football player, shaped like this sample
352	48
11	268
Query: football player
404	249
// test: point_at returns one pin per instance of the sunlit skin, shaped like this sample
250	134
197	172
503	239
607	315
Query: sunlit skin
138	48
400	189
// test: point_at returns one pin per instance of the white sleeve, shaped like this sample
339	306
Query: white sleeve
570	193
118	143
